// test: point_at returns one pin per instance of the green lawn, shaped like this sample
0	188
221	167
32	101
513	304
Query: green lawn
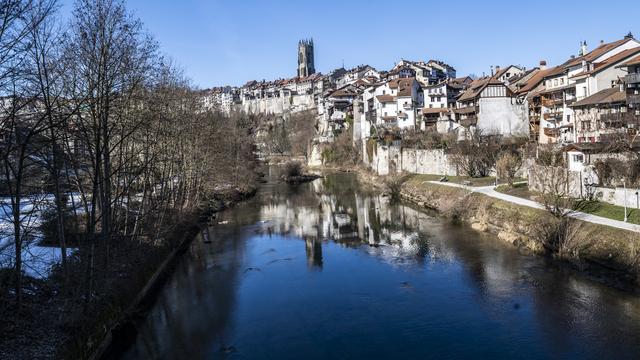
520	190
608	210
482	181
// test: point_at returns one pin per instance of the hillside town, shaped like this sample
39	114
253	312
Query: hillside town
579	106
593	94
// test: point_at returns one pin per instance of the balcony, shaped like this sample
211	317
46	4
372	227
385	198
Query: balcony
633	78
617	119
469	121
551	102
633	99
552	132
552	116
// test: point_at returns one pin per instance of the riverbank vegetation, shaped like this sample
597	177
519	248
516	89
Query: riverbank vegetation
105	144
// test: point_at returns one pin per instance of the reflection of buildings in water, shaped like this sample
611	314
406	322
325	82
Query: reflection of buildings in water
313	247
402	232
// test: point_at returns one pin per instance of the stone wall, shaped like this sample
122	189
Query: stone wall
617	196
279	105
427	162
388	159
577	186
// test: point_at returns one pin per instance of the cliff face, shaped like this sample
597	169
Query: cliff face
527	228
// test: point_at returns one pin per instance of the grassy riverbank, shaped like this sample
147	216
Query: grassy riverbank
590	245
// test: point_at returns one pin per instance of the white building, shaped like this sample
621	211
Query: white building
491	106
394	103
576	79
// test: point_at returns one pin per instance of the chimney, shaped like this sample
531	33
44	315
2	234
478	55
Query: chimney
543	64
491	70
583	48
497	69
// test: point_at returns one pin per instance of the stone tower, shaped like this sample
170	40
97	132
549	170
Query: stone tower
305	58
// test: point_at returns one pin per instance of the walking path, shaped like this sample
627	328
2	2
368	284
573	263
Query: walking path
490	191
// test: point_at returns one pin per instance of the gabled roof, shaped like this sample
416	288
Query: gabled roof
477	86
504	70
586	147
610	61
434	110
344	92
386	98
538	78
606	96
599	51
404	85
633	61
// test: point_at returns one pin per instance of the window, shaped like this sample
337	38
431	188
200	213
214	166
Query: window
579	158
441	105
561	81
384	92
555	82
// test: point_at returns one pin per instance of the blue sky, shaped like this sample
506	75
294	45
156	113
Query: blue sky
230	42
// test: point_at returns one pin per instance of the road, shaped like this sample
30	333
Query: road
490	191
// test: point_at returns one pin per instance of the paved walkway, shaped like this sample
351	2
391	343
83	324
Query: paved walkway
490	191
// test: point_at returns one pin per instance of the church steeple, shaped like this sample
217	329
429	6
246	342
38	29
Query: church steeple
305	58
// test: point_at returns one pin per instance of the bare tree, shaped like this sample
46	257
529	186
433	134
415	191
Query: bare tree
475	155
22	122
507	165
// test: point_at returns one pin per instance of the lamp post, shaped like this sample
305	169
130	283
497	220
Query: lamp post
624	184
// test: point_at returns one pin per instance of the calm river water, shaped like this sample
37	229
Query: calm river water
324	270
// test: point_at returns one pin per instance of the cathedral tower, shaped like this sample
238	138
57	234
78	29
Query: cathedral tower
305	58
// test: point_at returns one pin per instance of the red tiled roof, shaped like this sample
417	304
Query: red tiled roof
434	110
597	52
386	98
610	61
633	61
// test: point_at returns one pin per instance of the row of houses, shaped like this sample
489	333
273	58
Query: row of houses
591	96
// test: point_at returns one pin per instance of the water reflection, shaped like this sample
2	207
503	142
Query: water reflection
327	263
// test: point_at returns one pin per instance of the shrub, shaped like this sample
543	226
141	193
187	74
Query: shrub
293	168
393	185
560	236
508	165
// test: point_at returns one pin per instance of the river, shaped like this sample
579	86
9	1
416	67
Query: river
325	270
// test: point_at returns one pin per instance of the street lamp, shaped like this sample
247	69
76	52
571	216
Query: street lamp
624	184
